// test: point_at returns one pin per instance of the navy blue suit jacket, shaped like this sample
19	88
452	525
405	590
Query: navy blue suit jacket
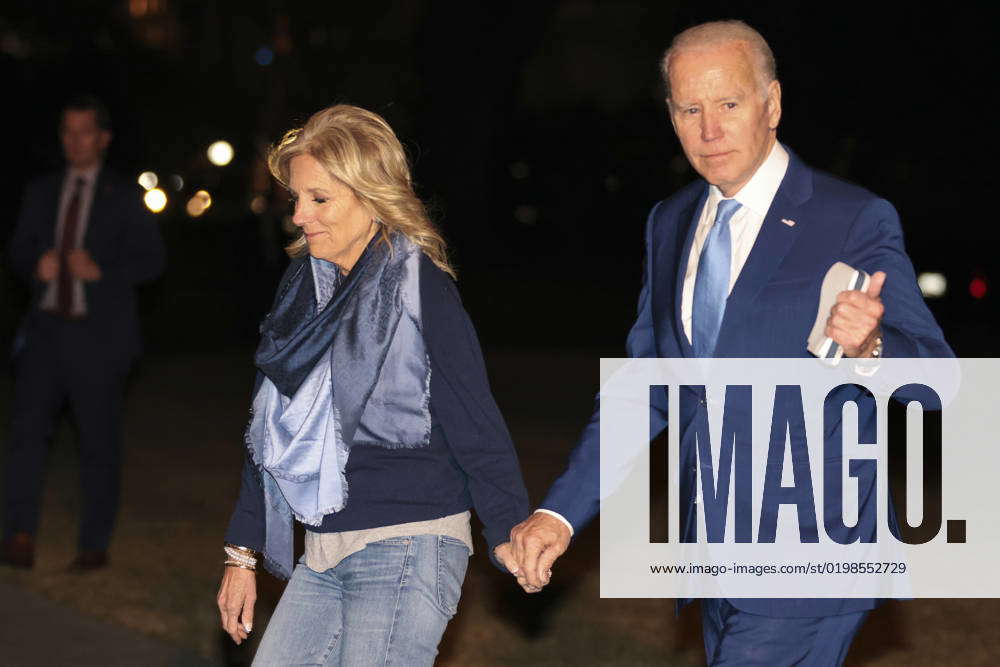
769	314
121	237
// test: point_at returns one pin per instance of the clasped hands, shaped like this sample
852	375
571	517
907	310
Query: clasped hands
81	266
534	546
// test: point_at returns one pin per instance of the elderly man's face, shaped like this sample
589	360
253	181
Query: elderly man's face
724	122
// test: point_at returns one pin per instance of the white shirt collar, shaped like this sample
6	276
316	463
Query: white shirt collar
89	175
759	191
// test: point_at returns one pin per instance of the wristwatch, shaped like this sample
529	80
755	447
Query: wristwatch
877	351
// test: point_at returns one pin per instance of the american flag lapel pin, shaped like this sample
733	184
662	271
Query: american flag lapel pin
790	223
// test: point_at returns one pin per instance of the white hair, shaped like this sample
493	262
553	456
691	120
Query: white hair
722	32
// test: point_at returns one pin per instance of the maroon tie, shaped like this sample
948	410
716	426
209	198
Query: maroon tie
71	220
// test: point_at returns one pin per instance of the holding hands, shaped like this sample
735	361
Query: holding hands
534	546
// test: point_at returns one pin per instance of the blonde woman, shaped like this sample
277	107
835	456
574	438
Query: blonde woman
372	421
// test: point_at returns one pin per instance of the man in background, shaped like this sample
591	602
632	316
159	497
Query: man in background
83	242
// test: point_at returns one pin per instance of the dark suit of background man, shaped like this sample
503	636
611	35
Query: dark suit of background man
734	265
83	242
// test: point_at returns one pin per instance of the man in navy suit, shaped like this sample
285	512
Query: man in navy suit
733	269
83	242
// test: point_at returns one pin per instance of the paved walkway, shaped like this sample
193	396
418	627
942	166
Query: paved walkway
37	631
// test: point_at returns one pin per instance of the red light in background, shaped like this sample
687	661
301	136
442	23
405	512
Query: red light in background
977	288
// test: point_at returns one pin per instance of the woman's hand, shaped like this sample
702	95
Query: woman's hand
236	598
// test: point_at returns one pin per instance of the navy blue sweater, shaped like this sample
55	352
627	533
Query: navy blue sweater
470	461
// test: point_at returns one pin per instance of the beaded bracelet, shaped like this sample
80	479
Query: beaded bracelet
240	555
242	561
232	563
243	557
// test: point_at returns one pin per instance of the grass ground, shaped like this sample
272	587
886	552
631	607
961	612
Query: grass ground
184	421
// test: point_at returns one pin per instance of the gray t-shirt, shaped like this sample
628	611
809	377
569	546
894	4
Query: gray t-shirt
325	550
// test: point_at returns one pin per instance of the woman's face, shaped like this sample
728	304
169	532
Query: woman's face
336	225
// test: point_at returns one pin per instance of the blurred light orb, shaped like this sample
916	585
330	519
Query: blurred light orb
177	182
199	203
264	56
932	285
155	200
220	153
978	288
258	204
138	8
148	180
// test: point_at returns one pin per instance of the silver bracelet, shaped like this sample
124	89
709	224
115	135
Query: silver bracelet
241	556
236	556
231	563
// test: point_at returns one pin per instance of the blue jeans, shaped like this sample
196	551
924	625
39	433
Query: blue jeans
386	604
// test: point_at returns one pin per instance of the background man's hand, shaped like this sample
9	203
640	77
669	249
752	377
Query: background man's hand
537	542
48	266
855	318
82	266
237	595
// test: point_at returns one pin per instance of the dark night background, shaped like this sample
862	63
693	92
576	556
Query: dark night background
537	133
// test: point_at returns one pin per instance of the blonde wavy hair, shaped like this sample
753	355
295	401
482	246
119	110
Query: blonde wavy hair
359	149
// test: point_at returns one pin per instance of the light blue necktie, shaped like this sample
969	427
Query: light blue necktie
711	286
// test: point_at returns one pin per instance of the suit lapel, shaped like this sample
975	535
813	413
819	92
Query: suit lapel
98	205
691	214
670	246
51	217
773	242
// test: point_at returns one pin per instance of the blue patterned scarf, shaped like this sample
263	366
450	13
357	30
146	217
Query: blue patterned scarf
343	363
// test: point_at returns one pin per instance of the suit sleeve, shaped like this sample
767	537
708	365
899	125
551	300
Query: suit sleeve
463	405
27	244
575	495
875	243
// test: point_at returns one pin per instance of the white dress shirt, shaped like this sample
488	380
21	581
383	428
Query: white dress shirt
89	177
755	199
